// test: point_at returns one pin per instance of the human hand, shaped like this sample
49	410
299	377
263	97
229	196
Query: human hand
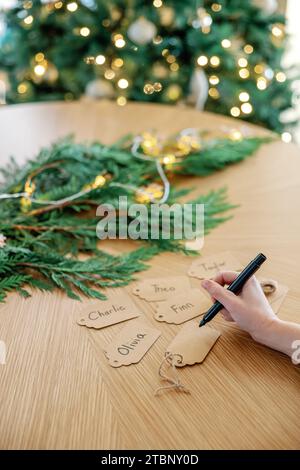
250	309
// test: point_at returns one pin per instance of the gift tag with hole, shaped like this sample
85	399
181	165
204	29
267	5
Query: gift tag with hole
274	292
99	314
131	344
183	307
276	299
207	267
192	344
269	286
157	289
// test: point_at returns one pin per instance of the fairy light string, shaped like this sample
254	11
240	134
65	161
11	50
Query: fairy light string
163	153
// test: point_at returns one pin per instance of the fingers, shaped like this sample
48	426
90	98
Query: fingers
227	298
225	277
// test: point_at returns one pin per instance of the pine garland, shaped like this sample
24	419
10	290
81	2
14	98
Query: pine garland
44	241
221	153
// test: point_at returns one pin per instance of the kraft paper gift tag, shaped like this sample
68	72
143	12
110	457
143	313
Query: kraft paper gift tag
99	314
131	344
207	267
161	288
183	307
274	292
192	344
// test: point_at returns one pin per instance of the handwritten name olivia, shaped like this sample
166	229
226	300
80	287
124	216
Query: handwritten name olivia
125	349
131	344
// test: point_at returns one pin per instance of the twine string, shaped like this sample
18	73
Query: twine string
173	383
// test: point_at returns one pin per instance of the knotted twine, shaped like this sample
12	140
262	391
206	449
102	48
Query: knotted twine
173	382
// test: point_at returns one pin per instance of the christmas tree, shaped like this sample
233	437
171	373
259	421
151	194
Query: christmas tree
224	56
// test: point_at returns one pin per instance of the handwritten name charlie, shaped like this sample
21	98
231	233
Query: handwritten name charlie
95	314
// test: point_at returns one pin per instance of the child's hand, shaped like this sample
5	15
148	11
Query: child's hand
250	309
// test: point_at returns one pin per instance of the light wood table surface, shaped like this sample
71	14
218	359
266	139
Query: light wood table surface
57	389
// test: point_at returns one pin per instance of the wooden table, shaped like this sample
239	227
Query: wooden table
57	389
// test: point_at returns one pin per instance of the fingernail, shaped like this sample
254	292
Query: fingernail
205	283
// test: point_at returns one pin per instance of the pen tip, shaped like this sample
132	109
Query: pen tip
202	323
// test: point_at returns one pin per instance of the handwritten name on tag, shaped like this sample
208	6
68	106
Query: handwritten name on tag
192	344
161	288
208	266
99	314
131	344
183	307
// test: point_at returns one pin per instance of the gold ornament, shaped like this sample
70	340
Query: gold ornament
151	193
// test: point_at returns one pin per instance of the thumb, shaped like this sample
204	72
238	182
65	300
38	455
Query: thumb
228	299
